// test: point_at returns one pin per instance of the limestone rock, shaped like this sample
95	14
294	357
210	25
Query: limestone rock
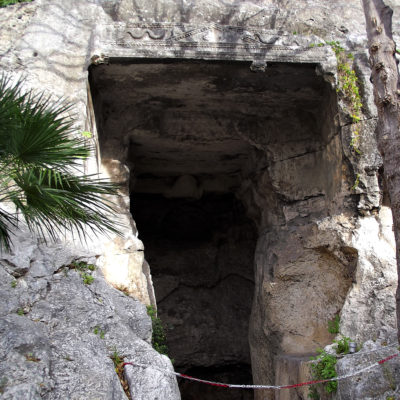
377	383
152	382
58	333
369	310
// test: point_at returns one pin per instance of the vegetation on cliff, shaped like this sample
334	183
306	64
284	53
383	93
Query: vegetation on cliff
4	3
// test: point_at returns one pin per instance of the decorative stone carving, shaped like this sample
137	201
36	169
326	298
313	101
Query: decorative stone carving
216	41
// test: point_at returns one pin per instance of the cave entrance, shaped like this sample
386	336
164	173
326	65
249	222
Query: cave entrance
198	139
201	254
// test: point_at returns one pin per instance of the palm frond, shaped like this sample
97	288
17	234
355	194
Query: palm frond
7	220
53	201
34	130
11	100
37	155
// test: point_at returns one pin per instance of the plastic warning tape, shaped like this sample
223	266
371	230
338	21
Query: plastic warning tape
279	387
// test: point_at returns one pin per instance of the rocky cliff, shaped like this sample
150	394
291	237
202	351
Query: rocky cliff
249	192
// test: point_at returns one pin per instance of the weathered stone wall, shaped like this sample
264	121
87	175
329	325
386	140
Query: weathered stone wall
325	247
58	333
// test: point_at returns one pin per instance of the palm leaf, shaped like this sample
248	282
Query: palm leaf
54	201
37	155
35	131
7	220
10	102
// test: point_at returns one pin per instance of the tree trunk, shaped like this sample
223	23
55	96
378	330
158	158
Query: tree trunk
385	79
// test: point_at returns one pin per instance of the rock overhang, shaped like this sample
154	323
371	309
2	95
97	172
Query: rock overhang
205	118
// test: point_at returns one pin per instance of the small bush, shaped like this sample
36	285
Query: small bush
333	325
159	339
98	331
118	360
82	266
348	89
313	393
85	270
342	345
323	368
87	279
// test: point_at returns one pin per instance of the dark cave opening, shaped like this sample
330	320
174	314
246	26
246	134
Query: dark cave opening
238	373
201	255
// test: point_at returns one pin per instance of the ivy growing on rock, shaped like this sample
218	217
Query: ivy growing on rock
348	89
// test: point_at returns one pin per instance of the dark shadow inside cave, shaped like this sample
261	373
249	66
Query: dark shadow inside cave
201	255
202	148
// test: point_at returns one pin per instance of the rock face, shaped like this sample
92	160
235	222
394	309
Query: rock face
58	333
189	103
379	383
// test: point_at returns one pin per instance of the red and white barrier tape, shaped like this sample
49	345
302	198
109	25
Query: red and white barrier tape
230	385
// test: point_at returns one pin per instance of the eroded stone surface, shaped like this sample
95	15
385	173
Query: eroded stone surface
369	309
378	383
58	333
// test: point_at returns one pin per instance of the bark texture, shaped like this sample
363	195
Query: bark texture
385	79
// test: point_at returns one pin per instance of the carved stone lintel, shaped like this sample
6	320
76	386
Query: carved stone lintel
211	41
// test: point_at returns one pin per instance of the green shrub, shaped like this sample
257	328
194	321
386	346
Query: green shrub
323	368
85	270
116	358
98	331
313	393
159	339
87	279
333	325
82	266
348	88
342	345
